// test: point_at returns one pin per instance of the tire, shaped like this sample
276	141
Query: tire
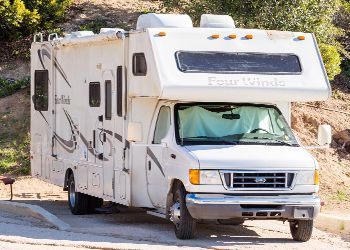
184	224
77	202
94	203
232	222
301	230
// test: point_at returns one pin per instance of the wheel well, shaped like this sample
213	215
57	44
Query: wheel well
174	184
69	172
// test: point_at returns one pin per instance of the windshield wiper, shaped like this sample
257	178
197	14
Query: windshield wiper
279	141
210	139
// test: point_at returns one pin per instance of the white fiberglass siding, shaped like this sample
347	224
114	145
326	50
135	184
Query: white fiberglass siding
309	85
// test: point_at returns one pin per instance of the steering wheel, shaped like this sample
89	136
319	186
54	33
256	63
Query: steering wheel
257	129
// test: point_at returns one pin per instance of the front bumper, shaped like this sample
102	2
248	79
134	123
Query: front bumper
280	207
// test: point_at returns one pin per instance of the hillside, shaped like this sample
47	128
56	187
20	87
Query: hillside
334	162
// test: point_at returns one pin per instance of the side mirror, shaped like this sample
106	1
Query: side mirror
324	137
134	132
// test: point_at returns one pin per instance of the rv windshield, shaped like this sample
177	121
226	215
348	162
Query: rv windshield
200	124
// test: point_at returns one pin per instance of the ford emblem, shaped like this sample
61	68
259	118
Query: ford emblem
260	180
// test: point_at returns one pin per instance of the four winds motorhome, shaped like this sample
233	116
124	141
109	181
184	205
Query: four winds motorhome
190	123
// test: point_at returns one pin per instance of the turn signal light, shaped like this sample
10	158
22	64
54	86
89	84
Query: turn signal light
162	33
249	36
194	176
301	37
317	178
215	36
232	36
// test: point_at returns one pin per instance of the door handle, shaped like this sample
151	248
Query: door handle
94	138
149	165
99	136
100	118
104	137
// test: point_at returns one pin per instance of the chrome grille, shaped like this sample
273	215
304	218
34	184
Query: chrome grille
257	180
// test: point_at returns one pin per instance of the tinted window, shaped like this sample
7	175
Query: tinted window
139	65
41	90
108	101
163	124
223	62
120	91
94	94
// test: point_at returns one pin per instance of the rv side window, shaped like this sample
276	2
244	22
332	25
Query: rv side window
41	90
139	65
108	100
162	125
120	91
237	62
94	94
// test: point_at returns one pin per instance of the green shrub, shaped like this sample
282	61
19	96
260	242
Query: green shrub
8	87
14	152
16	19
331	59
50	11
24	17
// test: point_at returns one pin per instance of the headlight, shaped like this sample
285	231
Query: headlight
308	177
206	177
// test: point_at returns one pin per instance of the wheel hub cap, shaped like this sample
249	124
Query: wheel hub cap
175	212
72	194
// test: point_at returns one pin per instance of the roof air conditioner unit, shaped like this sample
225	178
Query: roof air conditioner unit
216	21
153	20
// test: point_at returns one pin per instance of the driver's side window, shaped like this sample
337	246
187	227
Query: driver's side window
162	125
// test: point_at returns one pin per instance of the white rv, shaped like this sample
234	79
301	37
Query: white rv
191	123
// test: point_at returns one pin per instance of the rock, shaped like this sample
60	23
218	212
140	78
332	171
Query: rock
342	137
347	147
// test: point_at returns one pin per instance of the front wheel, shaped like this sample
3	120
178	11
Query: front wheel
301	230
184	224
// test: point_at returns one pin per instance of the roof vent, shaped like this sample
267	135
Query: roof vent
109	30
153	20
217	21
79	34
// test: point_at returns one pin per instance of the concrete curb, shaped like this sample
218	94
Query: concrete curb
333	223
33	211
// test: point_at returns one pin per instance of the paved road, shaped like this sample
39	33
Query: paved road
134	229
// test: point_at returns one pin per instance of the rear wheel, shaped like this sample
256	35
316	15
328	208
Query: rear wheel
78	202
184	224
301	230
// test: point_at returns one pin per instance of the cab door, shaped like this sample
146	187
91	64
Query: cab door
156	168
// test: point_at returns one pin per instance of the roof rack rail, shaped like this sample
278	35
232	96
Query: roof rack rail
52	36
41	37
